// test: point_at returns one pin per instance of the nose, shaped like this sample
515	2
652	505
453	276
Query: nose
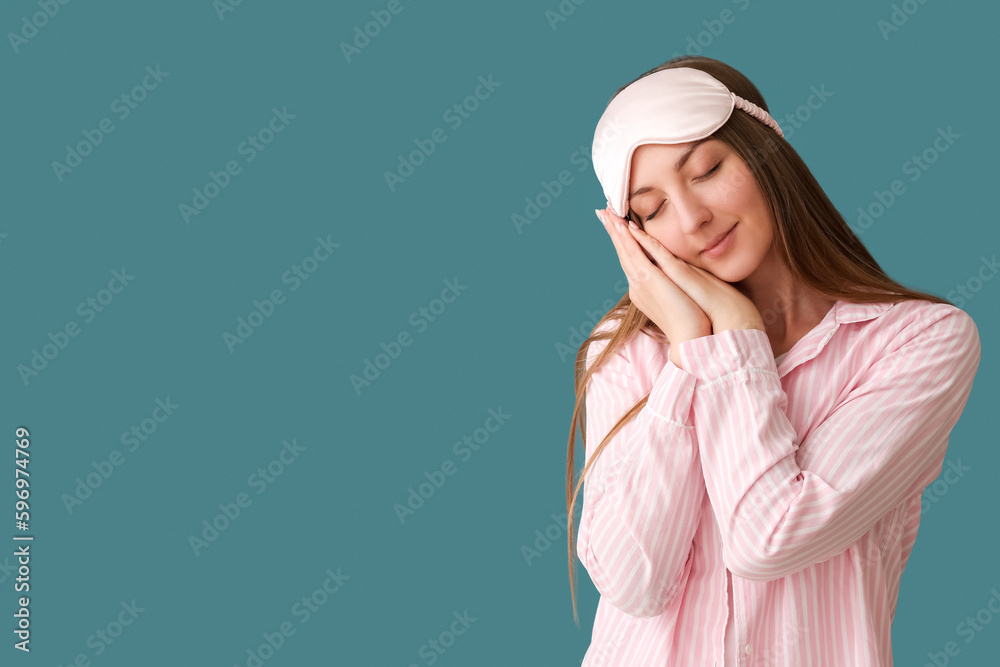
692	212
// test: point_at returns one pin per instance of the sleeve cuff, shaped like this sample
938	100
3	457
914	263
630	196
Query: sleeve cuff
710	358
672	395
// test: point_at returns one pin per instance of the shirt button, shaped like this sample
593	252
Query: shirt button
748	649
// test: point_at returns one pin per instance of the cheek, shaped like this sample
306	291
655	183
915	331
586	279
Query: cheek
664	239
738	190
671	241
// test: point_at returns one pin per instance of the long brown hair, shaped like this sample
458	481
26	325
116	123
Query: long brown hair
811	237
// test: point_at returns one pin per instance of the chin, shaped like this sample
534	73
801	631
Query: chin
732	271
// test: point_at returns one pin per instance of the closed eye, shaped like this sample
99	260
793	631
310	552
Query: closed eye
706	175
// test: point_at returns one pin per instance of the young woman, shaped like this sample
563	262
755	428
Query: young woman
763	408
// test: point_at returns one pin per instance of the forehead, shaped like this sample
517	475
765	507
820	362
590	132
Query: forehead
670	153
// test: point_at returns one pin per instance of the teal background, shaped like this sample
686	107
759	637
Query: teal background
493	347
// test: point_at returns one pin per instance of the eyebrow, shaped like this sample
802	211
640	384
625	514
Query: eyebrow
677	167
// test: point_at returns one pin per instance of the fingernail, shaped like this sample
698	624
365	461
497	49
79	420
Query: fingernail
599	217
633	225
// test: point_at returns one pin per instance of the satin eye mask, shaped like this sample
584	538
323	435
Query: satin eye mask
672	106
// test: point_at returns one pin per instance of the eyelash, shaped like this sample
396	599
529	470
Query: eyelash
707	174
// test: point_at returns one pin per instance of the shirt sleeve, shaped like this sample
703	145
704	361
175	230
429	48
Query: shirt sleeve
883	443
643	495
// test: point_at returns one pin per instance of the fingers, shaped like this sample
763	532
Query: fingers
634	262
633	245
615	233
658	254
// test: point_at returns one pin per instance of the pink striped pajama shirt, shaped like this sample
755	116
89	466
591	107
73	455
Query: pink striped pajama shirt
803	480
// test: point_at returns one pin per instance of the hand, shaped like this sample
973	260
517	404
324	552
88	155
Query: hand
652	291
684	300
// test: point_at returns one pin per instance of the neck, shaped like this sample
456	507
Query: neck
789	308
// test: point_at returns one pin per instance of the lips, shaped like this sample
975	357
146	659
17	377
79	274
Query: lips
714	242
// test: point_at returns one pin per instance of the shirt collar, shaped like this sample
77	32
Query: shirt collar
843	312
846	311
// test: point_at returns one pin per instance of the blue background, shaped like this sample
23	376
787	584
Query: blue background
495	346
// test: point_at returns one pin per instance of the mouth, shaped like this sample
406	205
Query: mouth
718	243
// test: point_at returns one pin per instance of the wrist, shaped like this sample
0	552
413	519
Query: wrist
719	327
675	345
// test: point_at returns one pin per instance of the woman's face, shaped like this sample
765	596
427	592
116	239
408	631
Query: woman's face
689	206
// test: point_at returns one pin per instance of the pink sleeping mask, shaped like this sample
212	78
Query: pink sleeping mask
672	106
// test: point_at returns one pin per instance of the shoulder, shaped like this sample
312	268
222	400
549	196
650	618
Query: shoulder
945	328
915	317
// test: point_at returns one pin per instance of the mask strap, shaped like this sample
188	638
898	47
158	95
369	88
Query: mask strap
757	112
